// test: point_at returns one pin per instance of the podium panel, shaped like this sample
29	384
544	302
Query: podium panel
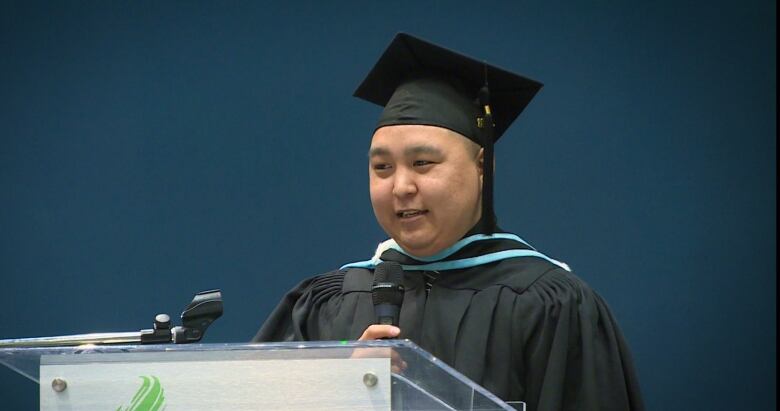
371	375
142	381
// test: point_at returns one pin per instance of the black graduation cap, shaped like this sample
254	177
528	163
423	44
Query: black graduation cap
412	64
418	82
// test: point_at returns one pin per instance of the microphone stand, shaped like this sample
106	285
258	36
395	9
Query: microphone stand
205	307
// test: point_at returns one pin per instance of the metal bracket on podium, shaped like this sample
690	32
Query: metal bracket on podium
205	307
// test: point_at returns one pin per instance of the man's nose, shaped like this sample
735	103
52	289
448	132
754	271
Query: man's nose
404	183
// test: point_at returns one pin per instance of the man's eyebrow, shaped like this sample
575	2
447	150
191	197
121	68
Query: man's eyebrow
422	149
409	151
378	151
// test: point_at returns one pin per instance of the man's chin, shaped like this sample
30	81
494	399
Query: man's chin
417	246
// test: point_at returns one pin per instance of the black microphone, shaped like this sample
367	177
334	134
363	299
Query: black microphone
387	292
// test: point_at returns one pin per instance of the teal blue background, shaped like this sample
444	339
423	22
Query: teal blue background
149	150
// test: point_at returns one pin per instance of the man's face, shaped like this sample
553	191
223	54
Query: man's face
426	185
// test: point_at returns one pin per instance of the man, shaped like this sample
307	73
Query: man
482	300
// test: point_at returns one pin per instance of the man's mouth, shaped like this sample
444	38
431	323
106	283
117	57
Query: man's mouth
410	213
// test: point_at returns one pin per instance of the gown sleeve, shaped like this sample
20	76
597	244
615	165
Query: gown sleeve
332	306
574	355
280	325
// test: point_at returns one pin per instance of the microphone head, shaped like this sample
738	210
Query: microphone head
388	285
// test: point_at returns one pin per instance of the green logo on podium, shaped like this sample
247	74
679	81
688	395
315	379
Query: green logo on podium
148	398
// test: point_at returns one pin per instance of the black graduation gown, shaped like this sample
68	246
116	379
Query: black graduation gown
523	328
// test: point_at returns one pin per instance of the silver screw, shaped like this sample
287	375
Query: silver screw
370	379
59	385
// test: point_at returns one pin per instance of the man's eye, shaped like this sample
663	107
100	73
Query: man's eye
381	166
420	163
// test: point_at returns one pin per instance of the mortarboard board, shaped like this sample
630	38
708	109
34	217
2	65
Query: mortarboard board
412	66
418	82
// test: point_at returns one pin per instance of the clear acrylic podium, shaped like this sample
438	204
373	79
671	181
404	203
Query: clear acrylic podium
373	375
